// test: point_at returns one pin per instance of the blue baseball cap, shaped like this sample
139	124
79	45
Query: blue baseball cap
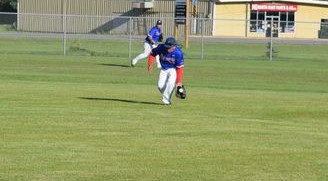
170	42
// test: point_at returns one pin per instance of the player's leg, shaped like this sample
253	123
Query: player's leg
170	84
162	79
166	84
145	54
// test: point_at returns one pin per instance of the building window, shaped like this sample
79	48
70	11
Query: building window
257	21
290	23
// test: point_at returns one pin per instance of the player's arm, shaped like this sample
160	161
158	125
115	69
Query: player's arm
150	36
150	39
179	70
179	75
180	89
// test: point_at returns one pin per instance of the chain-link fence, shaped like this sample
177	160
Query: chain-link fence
119	36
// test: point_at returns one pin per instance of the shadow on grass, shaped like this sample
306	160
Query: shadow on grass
116	65
119	100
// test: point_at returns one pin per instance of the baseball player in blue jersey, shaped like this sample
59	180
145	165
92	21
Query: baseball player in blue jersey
172	63
154	36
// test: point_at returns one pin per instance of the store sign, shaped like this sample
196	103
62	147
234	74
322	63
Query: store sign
180	11
275	7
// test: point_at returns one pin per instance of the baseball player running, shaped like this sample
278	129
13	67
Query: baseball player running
172	63
154	36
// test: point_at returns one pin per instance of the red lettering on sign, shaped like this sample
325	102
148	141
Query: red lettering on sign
274	7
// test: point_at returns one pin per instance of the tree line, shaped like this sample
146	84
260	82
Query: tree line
8	5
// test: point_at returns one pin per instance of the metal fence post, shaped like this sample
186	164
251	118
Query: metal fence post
271	36
202	35
64	28
130	37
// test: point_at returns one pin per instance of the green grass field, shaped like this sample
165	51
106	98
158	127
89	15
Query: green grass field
95	118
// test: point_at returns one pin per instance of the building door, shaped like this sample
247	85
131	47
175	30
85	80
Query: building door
272	23
323	32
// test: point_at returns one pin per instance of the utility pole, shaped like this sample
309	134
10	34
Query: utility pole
182	9
187	26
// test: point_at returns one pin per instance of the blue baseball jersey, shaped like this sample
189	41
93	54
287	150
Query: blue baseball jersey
155	32
169	60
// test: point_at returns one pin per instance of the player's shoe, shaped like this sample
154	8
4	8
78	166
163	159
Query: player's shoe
132	64
166	102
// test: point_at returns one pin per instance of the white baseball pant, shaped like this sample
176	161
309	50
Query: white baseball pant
145	54
166	84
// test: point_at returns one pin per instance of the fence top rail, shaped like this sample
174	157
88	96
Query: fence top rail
139	37
132	17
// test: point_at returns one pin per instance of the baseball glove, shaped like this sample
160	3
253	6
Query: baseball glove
181	92
160	39
149	40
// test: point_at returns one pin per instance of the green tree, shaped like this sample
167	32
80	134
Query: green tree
8	5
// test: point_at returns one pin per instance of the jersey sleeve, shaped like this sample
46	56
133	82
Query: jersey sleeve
156	51
179	59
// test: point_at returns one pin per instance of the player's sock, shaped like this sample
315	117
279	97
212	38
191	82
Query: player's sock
151	60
